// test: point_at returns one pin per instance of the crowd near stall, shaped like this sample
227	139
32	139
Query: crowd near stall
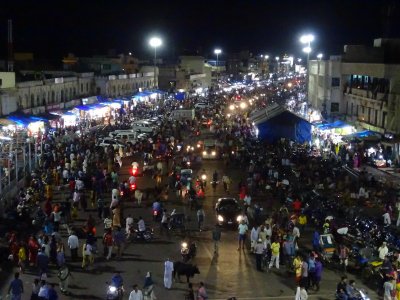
304	200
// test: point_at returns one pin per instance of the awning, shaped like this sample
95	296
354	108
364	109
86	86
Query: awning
6	122
20	120
49	117
336	124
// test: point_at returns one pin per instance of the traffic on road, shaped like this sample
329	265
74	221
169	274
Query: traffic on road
186	189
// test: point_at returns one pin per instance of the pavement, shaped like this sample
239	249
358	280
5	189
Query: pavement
231	273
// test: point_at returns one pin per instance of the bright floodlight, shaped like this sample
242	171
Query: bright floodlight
155	42
266	56
217	51
305	39
277	58
307	49
320	55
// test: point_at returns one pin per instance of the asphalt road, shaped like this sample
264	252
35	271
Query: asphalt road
232	273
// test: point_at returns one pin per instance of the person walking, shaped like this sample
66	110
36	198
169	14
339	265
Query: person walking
216	236
52	294
108	244
63	275
259	250
318	273
168	269
200	218
43	291
201	292
42	262
35	289
275	250
136	294
242	228
73	245
190	292
16	288
148	288
87	256
301	293
254	234
22	258
119	241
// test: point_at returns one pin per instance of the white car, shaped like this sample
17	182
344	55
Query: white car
201	105
144	126
111	142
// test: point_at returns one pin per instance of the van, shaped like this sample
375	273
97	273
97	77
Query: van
182	114
143	126
114	133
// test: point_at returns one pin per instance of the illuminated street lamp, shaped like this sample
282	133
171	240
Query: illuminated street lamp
217	52
266	57
307	39
155	42
320	56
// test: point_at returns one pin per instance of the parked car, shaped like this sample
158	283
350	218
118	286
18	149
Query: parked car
201	105
144	126
111	142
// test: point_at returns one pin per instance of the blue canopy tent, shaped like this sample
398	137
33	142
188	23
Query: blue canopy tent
20	120
277	123
180	96
336	124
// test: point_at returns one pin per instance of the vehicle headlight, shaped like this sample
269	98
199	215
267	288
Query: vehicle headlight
220	218
204	152
213	153
112	289
239	218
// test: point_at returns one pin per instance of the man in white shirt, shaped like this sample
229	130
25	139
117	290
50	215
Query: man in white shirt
383	251
114	197
73	244
136	294
79	185
141	225
386	219
128	224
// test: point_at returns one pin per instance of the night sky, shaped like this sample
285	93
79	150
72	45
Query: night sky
54	28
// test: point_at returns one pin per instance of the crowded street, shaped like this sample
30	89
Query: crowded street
286	196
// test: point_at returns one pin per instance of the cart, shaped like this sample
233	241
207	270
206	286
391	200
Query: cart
328	247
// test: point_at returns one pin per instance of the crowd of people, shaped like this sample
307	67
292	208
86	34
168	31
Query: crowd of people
273	191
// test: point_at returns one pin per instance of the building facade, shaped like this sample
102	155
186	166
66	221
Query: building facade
363	85
62	90
189	74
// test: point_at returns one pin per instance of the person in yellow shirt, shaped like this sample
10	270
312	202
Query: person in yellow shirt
302	221
21	258
275	249
297	263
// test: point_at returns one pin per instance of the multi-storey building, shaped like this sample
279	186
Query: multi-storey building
363	85
38	92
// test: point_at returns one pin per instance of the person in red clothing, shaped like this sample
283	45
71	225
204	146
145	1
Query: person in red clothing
33	249
48	208
296	206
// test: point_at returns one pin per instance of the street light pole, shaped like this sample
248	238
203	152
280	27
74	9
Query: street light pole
217	52
155	42
307	39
